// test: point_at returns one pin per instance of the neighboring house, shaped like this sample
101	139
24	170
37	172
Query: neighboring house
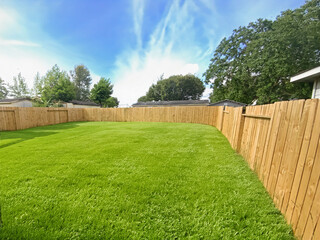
312	75
16	102
81	104
172	103
229	103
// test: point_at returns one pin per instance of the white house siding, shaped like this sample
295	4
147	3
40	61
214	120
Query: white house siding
24	103
316	89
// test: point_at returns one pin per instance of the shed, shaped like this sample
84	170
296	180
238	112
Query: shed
312	75
172	103
229	103
16	102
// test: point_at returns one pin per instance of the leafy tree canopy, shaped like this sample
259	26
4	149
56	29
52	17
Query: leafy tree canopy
38	85
3	89
57	86
82	81
256	61
19	88
101	91
111	102
176	87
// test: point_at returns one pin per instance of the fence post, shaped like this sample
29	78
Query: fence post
17	118
221	109
239	132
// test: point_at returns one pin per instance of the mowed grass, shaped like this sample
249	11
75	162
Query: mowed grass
103	180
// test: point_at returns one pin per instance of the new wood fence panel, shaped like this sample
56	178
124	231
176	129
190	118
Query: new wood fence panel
284	112
294	149
253	136
7	119
264	166
310	194
289	153
314	215
271	143
309	161
309	113
261	140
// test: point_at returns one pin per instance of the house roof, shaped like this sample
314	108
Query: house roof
226	101
172	103
13	100
306	76
88	103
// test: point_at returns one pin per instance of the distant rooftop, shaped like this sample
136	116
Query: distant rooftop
172	103
88	103
228	102
11	100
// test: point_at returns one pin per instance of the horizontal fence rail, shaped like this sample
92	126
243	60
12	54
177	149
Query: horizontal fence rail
280	142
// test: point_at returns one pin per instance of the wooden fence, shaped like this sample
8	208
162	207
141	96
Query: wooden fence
281	143
16	118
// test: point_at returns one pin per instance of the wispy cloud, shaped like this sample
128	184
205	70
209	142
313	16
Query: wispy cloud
138	10
12	42
25	48
173	48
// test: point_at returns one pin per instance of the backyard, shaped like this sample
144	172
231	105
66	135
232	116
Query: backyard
93	180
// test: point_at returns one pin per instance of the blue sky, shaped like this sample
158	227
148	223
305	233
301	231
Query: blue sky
132	42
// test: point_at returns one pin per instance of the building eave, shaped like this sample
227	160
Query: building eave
307	76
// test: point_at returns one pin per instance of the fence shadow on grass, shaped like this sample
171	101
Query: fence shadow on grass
8	138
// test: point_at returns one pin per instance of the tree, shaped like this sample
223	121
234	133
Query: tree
82	81
57	86
176	87
19	88
38	85
143	99
101	91
3	89
256	62
111	102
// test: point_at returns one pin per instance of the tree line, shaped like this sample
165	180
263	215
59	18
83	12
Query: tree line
256	62
253	65
58	86
177	87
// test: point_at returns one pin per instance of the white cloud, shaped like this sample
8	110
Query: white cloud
172	49
206	93
12	42
95	78
138	8
20	54
132	82
8	20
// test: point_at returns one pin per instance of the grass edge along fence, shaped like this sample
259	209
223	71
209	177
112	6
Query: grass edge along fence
280	142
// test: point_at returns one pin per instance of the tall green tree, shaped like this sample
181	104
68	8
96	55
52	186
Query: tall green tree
176	87
101	91
256	61
3	89
19	89
57	86
82	81
38	85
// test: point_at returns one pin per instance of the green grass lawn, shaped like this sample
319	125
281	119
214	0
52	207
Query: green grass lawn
104	180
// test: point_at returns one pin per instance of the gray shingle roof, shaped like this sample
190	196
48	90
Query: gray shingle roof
14	99
227	101
88	103
172	103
